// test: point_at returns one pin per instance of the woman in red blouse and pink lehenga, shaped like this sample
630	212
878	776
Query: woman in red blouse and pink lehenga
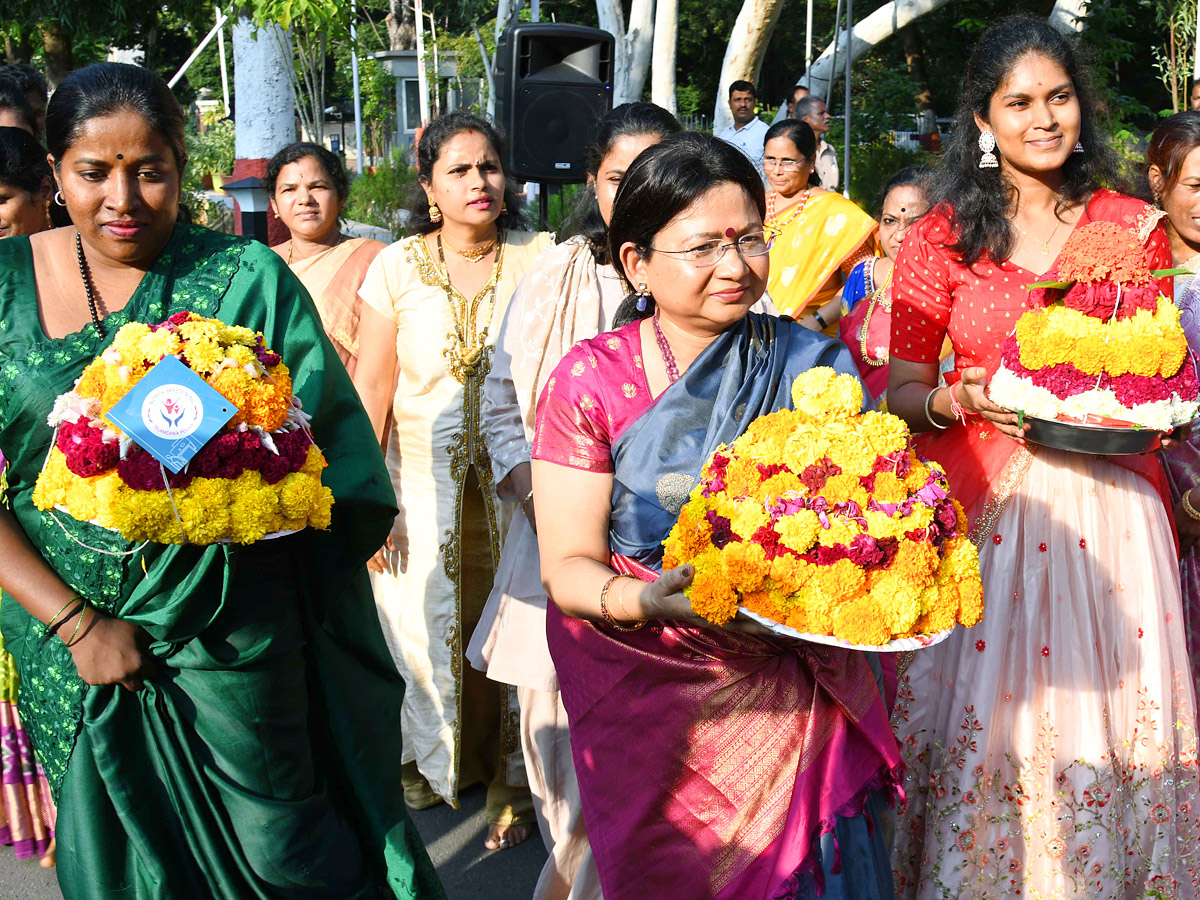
1051	749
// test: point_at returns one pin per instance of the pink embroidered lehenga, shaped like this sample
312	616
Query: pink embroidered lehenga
1052	747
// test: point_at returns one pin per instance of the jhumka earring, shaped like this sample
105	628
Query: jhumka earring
987	145
1078	147
503	208
435	213
643	296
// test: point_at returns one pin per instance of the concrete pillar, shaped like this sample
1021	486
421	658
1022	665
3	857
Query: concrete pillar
265	114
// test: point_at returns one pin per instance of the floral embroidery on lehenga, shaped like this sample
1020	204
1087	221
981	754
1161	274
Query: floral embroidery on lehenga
1045	826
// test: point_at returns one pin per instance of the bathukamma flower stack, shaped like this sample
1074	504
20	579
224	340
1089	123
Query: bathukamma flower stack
259	476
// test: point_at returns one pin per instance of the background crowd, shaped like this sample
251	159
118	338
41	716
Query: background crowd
254	721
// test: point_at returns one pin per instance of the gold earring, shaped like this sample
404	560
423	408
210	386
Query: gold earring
503	208
435	214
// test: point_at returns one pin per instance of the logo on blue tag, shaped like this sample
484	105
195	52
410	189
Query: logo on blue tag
172	413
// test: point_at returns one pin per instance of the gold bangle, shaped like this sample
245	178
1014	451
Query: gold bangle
71	640
607	614
1187	505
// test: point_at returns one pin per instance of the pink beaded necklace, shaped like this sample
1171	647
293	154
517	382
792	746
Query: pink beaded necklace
667	355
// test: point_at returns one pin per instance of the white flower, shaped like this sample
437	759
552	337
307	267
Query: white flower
69	407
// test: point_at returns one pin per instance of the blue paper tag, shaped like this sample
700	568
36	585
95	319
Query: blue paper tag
171	413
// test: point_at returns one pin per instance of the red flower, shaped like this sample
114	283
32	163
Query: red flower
1140	633
1082	543
996	539
1042	546
980	645
1045	651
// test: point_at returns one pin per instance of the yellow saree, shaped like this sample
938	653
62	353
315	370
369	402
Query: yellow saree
817	238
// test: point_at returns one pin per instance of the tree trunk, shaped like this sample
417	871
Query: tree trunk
914	55
867	35
402	32
18	49
1069	16
743	57
56	44
662	73
633	45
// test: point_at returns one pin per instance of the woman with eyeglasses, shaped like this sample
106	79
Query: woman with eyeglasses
822	236
718	762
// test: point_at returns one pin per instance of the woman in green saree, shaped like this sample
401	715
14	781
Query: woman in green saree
215	721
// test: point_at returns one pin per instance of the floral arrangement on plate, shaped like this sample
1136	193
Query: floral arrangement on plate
1102	346
260	476
824	521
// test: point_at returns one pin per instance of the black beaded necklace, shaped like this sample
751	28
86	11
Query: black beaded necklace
85	274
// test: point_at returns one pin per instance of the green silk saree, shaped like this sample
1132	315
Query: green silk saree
263	758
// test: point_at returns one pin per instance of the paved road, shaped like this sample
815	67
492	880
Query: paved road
454	839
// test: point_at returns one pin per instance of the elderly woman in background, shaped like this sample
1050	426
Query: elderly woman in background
712	762
821	234
308	187
1173	159
433	304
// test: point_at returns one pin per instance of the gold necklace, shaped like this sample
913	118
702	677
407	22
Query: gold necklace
474	254
878	295
468	357
1046	243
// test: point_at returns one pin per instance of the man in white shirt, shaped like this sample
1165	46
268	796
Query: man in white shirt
748	131
812	110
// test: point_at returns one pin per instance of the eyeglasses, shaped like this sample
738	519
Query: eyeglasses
708	254
788	165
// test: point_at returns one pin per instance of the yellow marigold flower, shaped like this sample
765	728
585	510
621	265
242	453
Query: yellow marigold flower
713	597
749	518
916	477
742	477
237	334
314	462
201	330
858	620
884	433
157	344
822	393
970	601
241	355
1174	349
889	488
763	602
841	488
916	562
204	355
841	581
961	560
791	574
798	532
780	485
745	565
128	341
93	381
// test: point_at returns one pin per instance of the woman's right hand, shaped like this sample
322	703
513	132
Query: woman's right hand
380	563
111	651
972	396
664	598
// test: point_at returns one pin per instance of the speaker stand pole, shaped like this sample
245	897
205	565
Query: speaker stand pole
543	206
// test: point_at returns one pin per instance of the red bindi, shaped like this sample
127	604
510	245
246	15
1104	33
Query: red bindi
729	232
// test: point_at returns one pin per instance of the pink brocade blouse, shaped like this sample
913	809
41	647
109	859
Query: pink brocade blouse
596	392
